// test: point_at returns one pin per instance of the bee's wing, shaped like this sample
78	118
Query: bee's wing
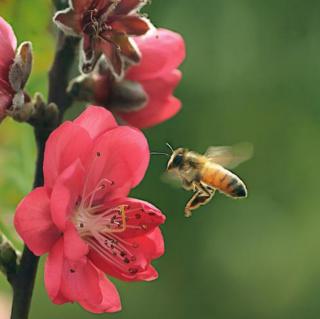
172	179
230	156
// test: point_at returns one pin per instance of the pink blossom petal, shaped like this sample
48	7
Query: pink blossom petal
111	300
144	249
153	244
74	247
6	96
60	299
66	144
65	194
161	105
53	272
96	121
7	35
148	275
81	282
149	117
7	49
141	216
120	156
34	224
162	51
69	281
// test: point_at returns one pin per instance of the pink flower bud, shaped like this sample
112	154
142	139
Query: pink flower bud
8	44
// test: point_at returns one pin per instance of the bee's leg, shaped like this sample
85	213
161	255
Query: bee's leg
201	197
188	185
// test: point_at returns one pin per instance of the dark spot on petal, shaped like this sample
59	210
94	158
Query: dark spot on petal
133	271
98	154
138	216
126	260
72	271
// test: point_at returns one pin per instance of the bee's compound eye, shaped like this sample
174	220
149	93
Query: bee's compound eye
177	161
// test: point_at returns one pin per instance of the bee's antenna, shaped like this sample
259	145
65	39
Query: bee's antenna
159	153
170	147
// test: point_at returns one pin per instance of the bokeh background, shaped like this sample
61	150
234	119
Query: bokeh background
252	73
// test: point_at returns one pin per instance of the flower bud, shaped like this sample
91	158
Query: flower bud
21	68
127	96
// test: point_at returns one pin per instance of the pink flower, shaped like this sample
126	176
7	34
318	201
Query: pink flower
162	53
106	26
151	100
8	44
82	216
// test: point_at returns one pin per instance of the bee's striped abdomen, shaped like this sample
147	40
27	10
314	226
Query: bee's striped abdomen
223	180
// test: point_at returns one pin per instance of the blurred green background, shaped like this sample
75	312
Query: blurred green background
252	74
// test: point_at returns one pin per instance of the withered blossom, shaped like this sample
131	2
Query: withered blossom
106	27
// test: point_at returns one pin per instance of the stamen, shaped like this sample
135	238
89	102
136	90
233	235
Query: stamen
123	225
100	227
91	196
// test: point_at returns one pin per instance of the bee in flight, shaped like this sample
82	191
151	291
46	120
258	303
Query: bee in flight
204	174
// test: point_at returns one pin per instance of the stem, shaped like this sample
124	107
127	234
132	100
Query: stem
58	80
58	75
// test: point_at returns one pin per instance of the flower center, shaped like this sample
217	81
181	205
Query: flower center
101	229
94	21
91	22
95	220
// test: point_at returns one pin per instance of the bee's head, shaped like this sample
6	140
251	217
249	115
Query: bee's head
177	158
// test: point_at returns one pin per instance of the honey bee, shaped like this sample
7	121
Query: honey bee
204	174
